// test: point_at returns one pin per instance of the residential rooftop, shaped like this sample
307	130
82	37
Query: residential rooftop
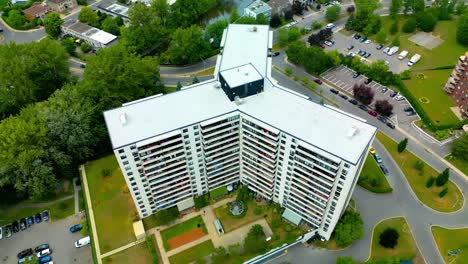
258	7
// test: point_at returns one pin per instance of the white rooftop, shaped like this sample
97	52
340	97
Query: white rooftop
241	75
258	7
102	36
331	130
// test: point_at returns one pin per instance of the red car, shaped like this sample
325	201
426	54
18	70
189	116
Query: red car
372	113
322	45
318	81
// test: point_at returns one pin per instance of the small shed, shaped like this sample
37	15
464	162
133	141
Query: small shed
292	217
185	204
139	229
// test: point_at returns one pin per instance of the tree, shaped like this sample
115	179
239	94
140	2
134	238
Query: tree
430	181
396	40
442	178
333	13
407	6
426	21
383	107
52	23
255	242
88	16
215	31
275	21
459	149
410	25
219	255
394	28
363	93
179	86
350	9
234	16
200	201
283	37
381	36
296	52
242	194
389	238
418	6
316	25
69	45
444	10
164	217
460	8
195	80
443	192
402	145
187	46
298	7
85	47
110	25
185	13
288	14
395	7
293	34
462	30
348	228
345	260
16	18
319	37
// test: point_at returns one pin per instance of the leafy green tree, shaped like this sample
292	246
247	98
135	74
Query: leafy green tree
215	31
389	238
85	47
395	7
396	40
187	46
110	25
294	34
185	13
333	13
443	192
69	45
460	7
410	25
233	16
275	21
459	149
381	36
200	201
255	242
418	6
283	37
219	255
442	178
316	25
243	194
179	86
88	16
297	7
444	10
430	181
402	145
426	21
116	76
349	228
52	23
394	28
462	32
16	19
407	6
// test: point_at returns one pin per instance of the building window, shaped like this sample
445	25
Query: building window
123	157
185	130
125	163
346	165
133	147
121	151
130	173
186	136
195	127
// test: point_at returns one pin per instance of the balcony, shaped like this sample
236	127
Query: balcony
258	154
259	146
228	132
166	156
260	131
159	143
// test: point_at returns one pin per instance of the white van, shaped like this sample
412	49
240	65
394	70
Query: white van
44	252
82	242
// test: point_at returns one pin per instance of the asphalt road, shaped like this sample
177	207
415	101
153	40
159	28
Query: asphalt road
10	35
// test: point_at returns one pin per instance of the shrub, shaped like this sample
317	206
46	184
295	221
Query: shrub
288	71
442	178
305	80
316	25
257	210
200	201
313	85
389	238
443	192
402	145
363	93
430	182
85	229
410	25
383	107
394	28
296	78
288	228
419	165
106	172
85	47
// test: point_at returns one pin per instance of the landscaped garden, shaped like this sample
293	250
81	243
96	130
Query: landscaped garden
452	244
430	86
114	210
405	248
372	177
421	177
196	253
183	233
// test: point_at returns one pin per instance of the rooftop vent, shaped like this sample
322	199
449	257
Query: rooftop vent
353	132
254	29
238	100
218	85
123	118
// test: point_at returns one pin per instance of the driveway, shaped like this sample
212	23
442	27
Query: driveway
56	234
342	42
10	35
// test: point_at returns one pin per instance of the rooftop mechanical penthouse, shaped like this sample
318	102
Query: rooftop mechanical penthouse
241	127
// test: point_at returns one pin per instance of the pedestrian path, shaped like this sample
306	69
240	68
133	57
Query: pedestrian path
122	248
36	205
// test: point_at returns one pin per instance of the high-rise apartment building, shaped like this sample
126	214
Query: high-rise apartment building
457	85
241	127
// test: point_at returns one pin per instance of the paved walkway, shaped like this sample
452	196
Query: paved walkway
91	215
27	205
122	248
76	190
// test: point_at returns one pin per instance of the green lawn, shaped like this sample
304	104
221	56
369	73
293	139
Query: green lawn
443	55
438	107
460	164
58	211
193	254
181	228
230	223
220	191
136	254
405	249
372	177
114	210
406	160
169	89
452	239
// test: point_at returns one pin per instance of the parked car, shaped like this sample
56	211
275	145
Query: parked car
1	232
379	47
328	43
75	228
82	66
382	119
41	247
350	47
43	253
408	109
367	55
24	253
384	169
30	221
386	50
318	81
390	125
45	215
393	94
356	74
363	107
352	54
361	52
82	242
384	90
377	158
369	80
362	39
8	231
334	91
368	41
412	113
23	224
357	36
38	218
344	96
44	260
372	150
364	54
321	45
352	101
15	226
372	113
330	25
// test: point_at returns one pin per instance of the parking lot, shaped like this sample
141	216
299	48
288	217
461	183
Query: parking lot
56	234
342	77
342	42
